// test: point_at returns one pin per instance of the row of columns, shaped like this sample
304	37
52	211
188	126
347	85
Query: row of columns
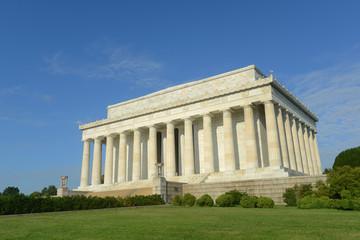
288	145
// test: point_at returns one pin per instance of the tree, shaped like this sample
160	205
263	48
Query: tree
52	190
350	157
11	191
49	191
44	191
35	194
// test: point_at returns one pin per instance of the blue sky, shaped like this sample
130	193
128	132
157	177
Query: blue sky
63	62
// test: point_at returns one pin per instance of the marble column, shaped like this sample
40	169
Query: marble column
122	158
85	167
296	145
152	167
307	149
228	141
272	134
290	144
170	150
312	151
251	148
137	156
283	145
96	169
189	147
208	144
317	154
108	173
302	148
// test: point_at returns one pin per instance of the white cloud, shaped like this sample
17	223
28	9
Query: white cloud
55	63
111	63
47	98
334	95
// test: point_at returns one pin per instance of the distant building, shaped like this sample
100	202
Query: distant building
234	126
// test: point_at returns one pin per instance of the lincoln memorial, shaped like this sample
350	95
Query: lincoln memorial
236	126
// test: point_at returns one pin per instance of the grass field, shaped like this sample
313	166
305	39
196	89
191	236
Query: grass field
185	223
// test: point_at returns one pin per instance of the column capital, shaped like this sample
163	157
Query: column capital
123	133
87	140
152	126
99	138
248	105
188	119
111	135
136	130
169	122
224	110
207	115
287	111
269	101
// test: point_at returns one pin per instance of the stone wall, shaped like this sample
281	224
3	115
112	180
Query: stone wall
272	187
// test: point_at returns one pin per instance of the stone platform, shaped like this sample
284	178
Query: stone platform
272	184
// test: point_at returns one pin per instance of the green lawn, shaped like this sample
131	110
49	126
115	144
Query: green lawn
185	223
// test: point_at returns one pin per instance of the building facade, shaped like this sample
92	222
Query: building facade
234	126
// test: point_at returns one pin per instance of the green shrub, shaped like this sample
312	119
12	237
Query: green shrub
356	204
303	190
237	196
205	201
289	197
345	194
343	178
225	200
292	195
322	189
265	202
249	201
334	204
347	204
313	202
188	200
177	201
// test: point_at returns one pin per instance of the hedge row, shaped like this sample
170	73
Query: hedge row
228	199
314	202
19	204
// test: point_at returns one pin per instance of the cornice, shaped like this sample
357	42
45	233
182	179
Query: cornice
202	97
294	99
205	95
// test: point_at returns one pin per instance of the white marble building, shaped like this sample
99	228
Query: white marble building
233	126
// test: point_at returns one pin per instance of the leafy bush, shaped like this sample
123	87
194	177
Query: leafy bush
249	201
188	200
345	194
237	196
347	204
225	200
289	196
313	202
322	189
265	202
292	195
205	201
344	178
177	201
